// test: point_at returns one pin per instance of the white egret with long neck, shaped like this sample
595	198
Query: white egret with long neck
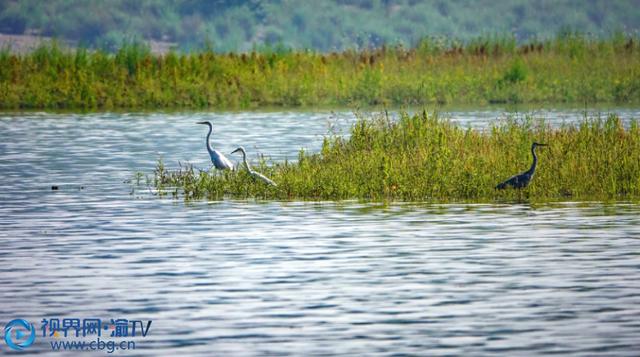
522	180
217	158
254	174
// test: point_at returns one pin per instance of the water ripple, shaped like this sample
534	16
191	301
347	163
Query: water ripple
296	278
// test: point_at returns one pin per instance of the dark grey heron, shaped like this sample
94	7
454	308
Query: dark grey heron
522	180
254	174
217	158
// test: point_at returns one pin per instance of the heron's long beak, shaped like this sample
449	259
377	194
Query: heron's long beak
201	122
235	151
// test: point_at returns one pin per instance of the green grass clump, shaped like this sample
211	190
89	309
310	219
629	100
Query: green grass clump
424	158
571	68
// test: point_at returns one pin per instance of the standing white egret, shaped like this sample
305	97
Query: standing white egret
254	174
217	158
522	180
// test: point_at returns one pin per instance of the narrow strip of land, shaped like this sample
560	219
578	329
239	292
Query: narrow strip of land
573	69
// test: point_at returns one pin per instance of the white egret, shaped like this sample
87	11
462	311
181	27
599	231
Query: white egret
254	174
217	158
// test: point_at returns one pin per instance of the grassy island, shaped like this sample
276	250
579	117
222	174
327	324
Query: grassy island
424	158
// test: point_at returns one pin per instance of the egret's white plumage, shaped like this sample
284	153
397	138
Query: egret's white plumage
253	173
217	158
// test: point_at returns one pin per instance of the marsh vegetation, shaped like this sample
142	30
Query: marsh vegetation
572	68
422	157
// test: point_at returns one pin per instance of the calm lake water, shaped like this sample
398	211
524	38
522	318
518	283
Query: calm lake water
296	278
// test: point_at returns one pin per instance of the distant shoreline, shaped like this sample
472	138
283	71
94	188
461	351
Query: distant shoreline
571	69
24	44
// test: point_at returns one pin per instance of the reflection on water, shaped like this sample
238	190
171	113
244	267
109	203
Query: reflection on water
246	277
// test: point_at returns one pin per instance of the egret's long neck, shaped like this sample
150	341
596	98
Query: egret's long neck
244	159
209	149
535	160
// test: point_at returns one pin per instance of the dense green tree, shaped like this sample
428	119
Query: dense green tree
323	25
